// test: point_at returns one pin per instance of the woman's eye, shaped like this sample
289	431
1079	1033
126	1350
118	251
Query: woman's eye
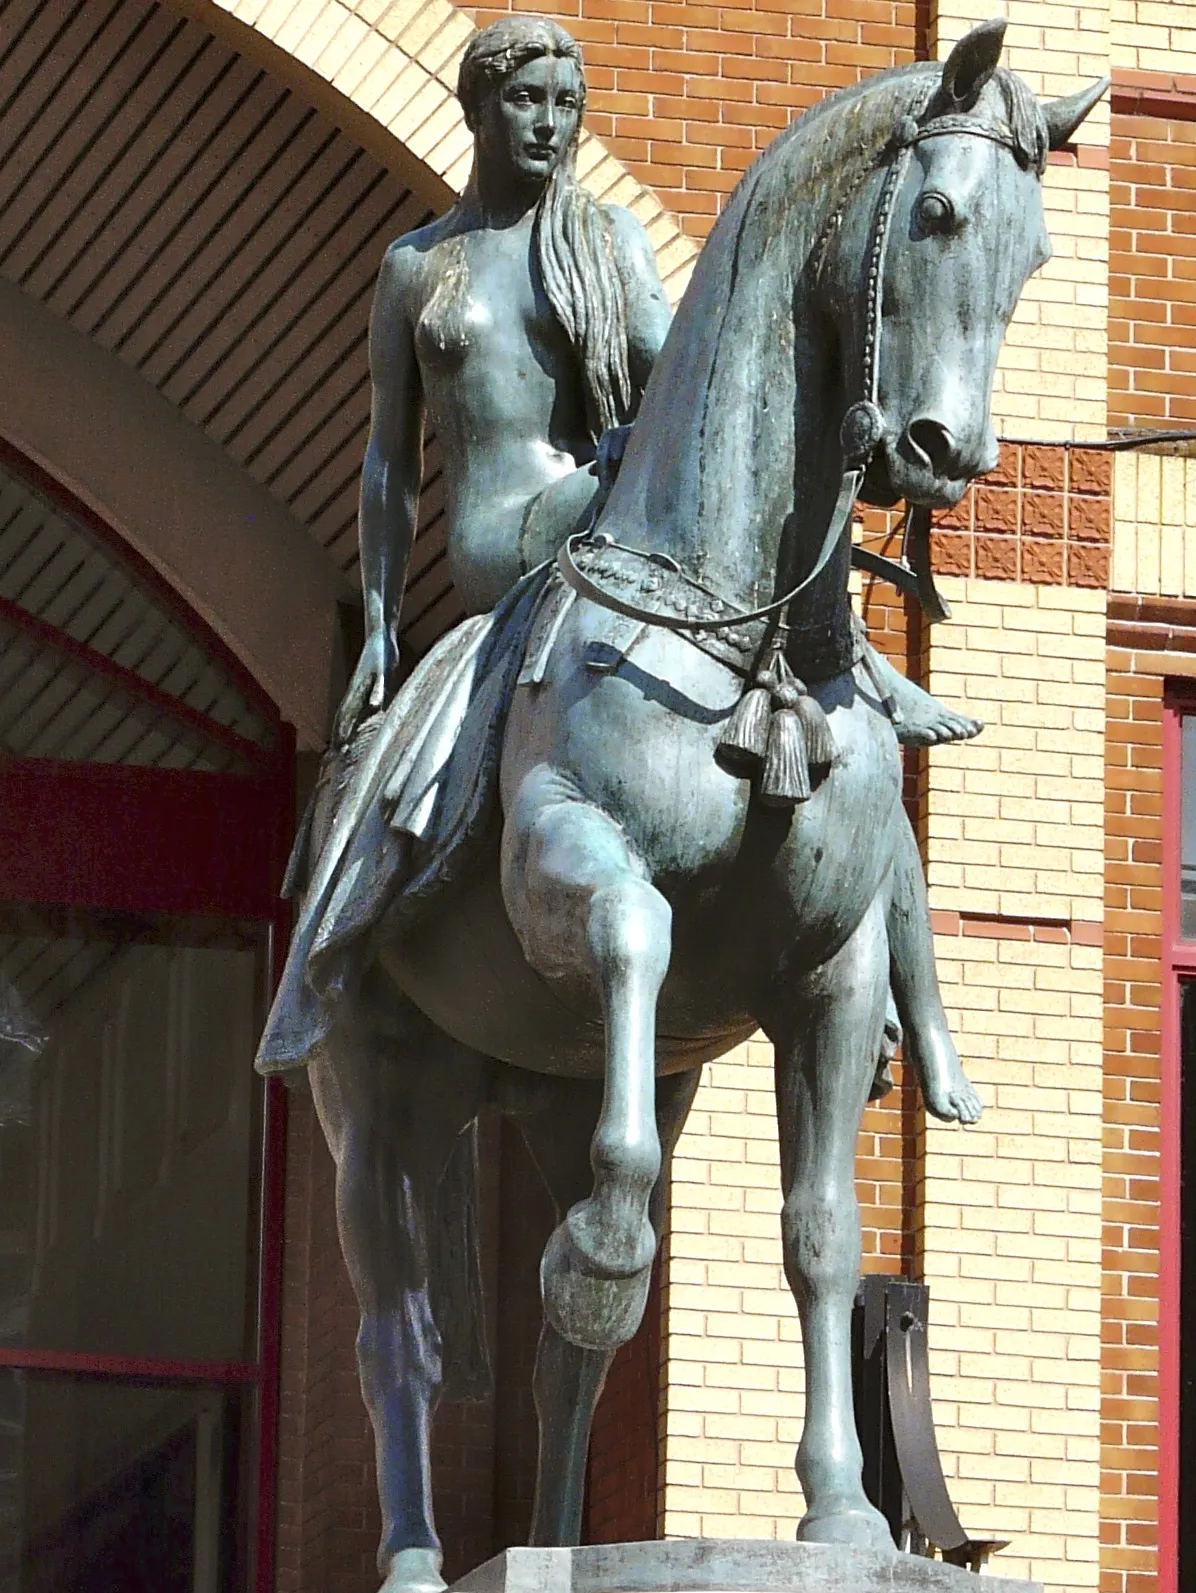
935	212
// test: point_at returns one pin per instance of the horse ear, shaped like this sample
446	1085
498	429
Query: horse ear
973	61
1065	115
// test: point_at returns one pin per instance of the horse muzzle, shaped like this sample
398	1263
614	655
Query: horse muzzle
931	464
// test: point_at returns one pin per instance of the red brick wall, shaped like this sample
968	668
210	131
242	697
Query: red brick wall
1152	272
886	1151
622	1488
687	94
1129	1355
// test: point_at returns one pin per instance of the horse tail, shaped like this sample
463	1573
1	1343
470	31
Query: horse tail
455	1274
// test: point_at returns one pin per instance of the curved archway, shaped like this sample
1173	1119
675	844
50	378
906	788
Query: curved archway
386	70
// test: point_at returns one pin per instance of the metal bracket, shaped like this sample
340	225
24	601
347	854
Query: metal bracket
903	1474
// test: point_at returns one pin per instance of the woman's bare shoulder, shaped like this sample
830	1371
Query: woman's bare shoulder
411	263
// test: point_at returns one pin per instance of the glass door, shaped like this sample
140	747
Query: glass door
128	1237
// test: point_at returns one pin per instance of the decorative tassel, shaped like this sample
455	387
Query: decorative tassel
745	740
785	778
820	743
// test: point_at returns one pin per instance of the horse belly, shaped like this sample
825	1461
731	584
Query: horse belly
465	970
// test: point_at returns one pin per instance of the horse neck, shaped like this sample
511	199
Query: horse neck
735	466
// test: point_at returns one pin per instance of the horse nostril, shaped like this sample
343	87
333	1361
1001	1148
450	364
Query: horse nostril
933	443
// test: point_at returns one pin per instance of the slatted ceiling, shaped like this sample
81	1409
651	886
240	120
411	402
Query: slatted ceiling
50	568
194	217
51	708
54	705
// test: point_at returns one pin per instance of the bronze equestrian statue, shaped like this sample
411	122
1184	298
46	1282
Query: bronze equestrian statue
646	799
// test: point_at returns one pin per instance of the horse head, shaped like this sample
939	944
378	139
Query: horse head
950	226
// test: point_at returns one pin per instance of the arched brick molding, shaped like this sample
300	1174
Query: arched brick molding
385	71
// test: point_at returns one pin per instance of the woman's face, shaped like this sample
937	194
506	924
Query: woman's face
531	119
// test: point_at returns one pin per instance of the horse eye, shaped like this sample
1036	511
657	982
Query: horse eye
935	212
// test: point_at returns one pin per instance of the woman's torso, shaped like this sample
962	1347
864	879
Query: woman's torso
504	396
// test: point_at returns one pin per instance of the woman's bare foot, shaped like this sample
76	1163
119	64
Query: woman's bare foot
946	1089
924	721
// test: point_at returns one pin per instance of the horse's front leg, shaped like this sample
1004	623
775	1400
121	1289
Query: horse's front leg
827	1037
587	916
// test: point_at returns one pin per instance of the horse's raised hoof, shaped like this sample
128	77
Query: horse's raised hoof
858	1525
415	1571
587	1307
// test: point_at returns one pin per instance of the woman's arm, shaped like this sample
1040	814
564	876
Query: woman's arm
390	482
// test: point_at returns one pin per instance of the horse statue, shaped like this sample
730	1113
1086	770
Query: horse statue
661	808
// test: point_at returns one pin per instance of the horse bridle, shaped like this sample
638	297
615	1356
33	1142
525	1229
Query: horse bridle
860	432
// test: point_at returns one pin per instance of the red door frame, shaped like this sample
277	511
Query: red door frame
168	841
1178	965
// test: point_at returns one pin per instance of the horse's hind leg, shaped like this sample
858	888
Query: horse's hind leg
391	1106
586	914
557	1118
826	1043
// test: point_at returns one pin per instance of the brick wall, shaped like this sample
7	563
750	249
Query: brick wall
686	94
1129	1414
1152	271
1154	537
1010	1209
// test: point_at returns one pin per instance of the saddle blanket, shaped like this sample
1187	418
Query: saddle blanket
399	813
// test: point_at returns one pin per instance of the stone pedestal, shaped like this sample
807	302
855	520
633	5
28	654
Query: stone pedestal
724	1565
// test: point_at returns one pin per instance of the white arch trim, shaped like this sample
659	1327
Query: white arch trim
250	571
386	71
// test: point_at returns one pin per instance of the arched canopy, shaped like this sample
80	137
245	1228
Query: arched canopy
197	195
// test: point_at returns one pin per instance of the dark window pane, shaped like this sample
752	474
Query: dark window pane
105	1486
127	1127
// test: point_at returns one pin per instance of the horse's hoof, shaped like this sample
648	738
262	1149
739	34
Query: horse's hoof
858	1525
604	1244
589	1309
415	1571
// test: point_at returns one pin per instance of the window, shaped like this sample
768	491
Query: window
145	805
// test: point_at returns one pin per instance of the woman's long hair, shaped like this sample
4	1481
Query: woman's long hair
573	238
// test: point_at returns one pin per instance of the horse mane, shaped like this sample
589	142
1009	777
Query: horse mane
811	169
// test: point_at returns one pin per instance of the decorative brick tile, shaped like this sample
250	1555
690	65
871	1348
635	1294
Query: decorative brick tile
1042	562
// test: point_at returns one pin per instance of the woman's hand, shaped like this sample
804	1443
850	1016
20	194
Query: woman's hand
372	686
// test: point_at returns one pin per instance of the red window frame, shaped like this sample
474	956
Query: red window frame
178	842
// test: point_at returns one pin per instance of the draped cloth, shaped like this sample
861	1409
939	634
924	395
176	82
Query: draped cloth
398	814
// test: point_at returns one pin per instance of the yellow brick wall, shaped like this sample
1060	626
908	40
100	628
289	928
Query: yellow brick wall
1154	525
1015	819
733	1387
1051	378
1010	1209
